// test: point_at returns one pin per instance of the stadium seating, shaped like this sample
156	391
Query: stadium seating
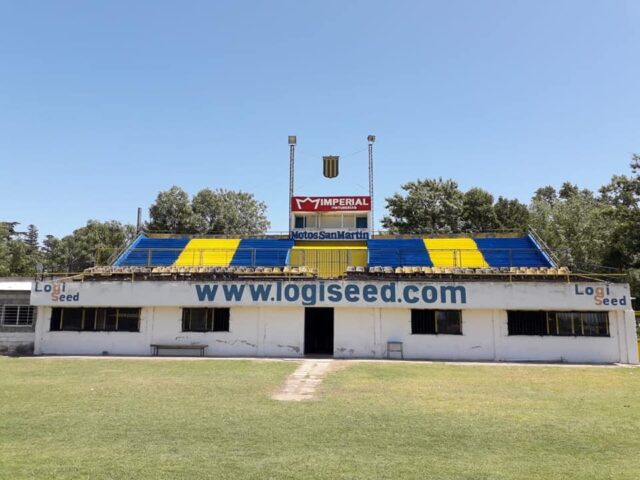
146	251
331	259
264	252
395	252
507	252
454	252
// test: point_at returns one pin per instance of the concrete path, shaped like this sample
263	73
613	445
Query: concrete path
302	384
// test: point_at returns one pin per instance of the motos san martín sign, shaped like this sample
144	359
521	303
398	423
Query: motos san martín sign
330	235
330	204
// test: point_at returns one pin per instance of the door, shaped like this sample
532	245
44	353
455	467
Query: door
318	331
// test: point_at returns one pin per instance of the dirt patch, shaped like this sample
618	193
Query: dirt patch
302	384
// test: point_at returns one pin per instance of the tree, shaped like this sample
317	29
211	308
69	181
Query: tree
211	211
172	213
622	194
31	238
430	206
18	255
547	194
511	214
477	211
225	211
576	228
95	243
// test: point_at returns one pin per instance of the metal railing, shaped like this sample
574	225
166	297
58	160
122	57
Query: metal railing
256	257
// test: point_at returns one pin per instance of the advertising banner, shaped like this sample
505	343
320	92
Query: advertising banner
331	204
336	293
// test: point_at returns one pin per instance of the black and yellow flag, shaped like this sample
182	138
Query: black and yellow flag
330	166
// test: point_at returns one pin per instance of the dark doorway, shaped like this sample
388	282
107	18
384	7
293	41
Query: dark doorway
318	331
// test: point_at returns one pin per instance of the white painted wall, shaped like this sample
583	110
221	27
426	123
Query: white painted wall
279	332
475	343
358	332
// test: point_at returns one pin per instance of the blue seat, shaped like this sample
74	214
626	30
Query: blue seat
262	252
512	252
394	252
153	252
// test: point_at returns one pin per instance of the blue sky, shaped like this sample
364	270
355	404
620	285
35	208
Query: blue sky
104	103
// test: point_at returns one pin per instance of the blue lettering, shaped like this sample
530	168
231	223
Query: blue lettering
388	293
429	294
453	293
259	292
369	293
206	292
308	294
291	293
233	292
335	295
407	290
351	293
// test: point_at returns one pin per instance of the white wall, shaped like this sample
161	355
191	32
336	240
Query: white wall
252	332
358	332
475	343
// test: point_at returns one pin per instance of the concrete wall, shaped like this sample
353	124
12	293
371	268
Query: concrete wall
16	339
252	332
358	333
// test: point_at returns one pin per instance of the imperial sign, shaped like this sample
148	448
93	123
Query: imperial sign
329	204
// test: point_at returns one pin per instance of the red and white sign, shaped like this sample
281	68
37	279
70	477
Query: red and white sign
330	204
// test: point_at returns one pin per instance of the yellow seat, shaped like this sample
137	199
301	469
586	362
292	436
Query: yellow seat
454	252
213	252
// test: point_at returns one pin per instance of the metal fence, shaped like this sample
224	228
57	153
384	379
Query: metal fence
332	258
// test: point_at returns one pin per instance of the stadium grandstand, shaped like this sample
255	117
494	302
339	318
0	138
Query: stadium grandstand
333	286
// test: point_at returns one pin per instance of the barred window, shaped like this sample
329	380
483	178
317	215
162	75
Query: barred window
95	319
205	319
432	322
17	315
587	324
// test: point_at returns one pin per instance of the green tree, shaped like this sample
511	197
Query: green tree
172	213
622	193
576	228
93	244
211	211
477	211
229	212
429	206
31	238
511	214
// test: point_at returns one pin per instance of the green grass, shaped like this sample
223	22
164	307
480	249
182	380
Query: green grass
133	419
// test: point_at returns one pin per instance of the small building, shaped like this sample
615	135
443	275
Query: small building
17	317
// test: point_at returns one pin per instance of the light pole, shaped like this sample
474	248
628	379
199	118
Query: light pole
371	139
292	151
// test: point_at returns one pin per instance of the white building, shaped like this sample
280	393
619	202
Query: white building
495	320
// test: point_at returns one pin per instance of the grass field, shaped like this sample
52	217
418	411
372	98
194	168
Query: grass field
133	419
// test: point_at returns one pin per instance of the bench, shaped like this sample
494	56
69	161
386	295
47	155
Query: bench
155	348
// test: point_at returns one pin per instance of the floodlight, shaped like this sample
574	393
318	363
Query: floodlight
371	138
292	139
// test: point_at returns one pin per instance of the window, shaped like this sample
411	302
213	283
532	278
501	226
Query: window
96	319
361	222
17	315
431	322
587	324
527	323
300	222
205	319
